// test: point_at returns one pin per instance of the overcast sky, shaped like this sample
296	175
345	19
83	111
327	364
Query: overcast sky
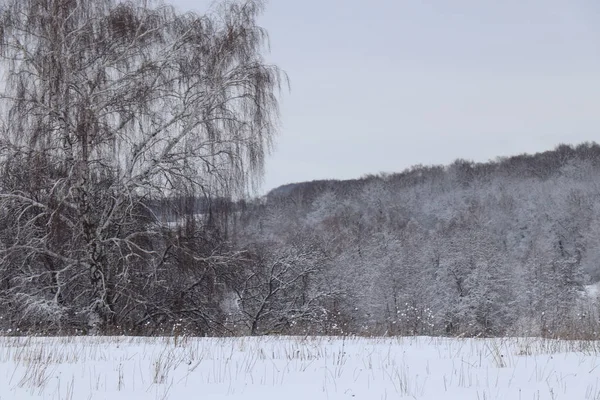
380	85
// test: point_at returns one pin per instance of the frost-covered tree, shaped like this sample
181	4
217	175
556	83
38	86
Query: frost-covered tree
109	108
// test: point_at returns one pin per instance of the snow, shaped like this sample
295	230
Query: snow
294	368
593	290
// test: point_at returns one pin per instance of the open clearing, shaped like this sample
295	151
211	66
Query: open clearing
293	368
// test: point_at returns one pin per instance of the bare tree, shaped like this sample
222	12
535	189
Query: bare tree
109	106
281	289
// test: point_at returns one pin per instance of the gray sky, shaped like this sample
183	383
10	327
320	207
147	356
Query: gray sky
381	85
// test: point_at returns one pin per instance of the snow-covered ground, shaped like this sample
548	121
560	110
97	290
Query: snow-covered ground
298	368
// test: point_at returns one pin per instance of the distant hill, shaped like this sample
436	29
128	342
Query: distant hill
508	246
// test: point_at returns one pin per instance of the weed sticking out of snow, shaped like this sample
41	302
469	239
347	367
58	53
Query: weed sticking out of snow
298	368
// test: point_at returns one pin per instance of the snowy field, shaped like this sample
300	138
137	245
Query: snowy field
271	368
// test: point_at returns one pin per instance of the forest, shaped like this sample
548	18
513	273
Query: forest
132	137
506	247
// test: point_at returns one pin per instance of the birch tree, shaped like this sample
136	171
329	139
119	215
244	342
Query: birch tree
108	107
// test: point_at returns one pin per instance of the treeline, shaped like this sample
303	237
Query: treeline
498	248
509	247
